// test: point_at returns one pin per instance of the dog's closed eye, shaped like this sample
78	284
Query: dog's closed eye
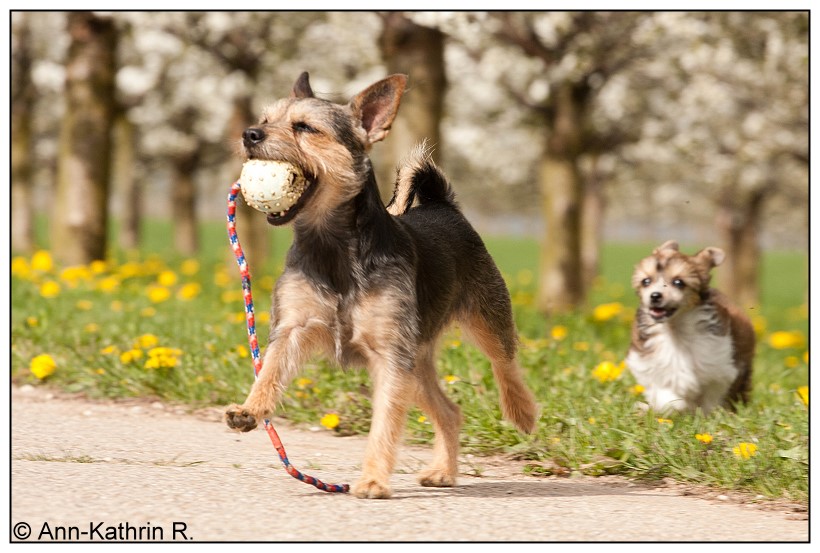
301	126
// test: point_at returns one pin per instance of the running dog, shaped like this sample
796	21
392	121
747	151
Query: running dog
691	348
375	286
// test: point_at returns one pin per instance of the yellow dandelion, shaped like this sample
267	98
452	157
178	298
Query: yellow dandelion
581	346
422	419
167	278
637	389
303	383
116	306
745	450
451	379
32	321
43	366
146	341
129	270
189	291
591	420
100	371
72	276
148	312
454	344
189	267
785	339
49	289
158	294
41	261
559	332
263	317
607	311
668	422
130	356
222	278
791	361
803	394
20	267
91	328
704	438
109	350
84	305
330	421
806	357
242	351
108	284
607	371
98	266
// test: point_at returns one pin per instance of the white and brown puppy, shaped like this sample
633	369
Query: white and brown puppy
691	348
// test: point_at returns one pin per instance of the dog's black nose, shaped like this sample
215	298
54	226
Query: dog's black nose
655	297
253	136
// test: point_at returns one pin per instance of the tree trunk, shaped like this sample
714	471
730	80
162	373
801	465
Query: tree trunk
592	219
80	216
560	283
418	52
183	202
738	221
23	96
251	226
124	179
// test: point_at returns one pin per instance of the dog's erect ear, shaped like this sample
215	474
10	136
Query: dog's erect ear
301	88
668	245
711	256
377	105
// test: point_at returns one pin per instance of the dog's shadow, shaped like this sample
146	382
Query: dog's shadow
535	488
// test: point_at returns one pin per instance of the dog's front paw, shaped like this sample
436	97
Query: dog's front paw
240	418
437	478
367	488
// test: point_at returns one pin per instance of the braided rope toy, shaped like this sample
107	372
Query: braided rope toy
254	345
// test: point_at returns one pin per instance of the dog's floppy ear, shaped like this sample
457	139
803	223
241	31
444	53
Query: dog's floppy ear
377	105
668	245
301	88
711	256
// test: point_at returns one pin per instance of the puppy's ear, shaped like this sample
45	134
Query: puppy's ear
301	88
668	245
377	105
710	257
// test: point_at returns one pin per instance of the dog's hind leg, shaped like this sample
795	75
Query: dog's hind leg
446	418
493	330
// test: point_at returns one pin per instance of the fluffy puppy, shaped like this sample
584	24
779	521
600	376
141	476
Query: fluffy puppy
691	348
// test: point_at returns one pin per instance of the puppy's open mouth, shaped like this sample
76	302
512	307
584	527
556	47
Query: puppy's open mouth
277	218
661	313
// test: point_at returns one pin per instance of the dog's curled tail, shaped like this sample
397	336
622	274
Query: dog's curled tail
419	180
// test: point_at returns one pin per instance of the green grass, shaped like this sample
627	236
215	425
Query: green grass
586	425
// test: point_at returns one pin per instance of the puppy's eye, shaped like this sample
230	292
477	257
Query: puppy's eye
301	126
678	283
646	282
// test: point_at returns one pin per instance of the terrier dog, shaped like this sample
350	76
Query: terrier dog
375	286
691	348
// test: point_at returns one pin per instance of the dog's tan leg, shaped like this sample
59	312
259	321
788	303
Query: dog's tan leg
392	392
446	418
517	401
301	328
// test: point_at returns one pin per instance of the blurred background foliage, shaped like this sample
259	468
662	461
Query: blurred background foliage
570	128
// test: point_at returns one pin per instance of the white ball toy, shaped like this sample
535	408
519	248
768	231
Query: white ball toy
271	186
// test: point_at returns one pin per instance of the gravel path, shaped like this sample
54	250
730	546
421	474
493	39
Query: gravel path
139	471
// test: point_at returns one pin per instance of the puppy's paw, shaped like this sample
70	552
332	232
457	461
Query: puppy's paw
368	488
240	418
437	478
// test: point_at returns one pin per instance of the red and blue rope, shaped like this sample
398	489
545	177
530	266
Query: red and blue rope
254	345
